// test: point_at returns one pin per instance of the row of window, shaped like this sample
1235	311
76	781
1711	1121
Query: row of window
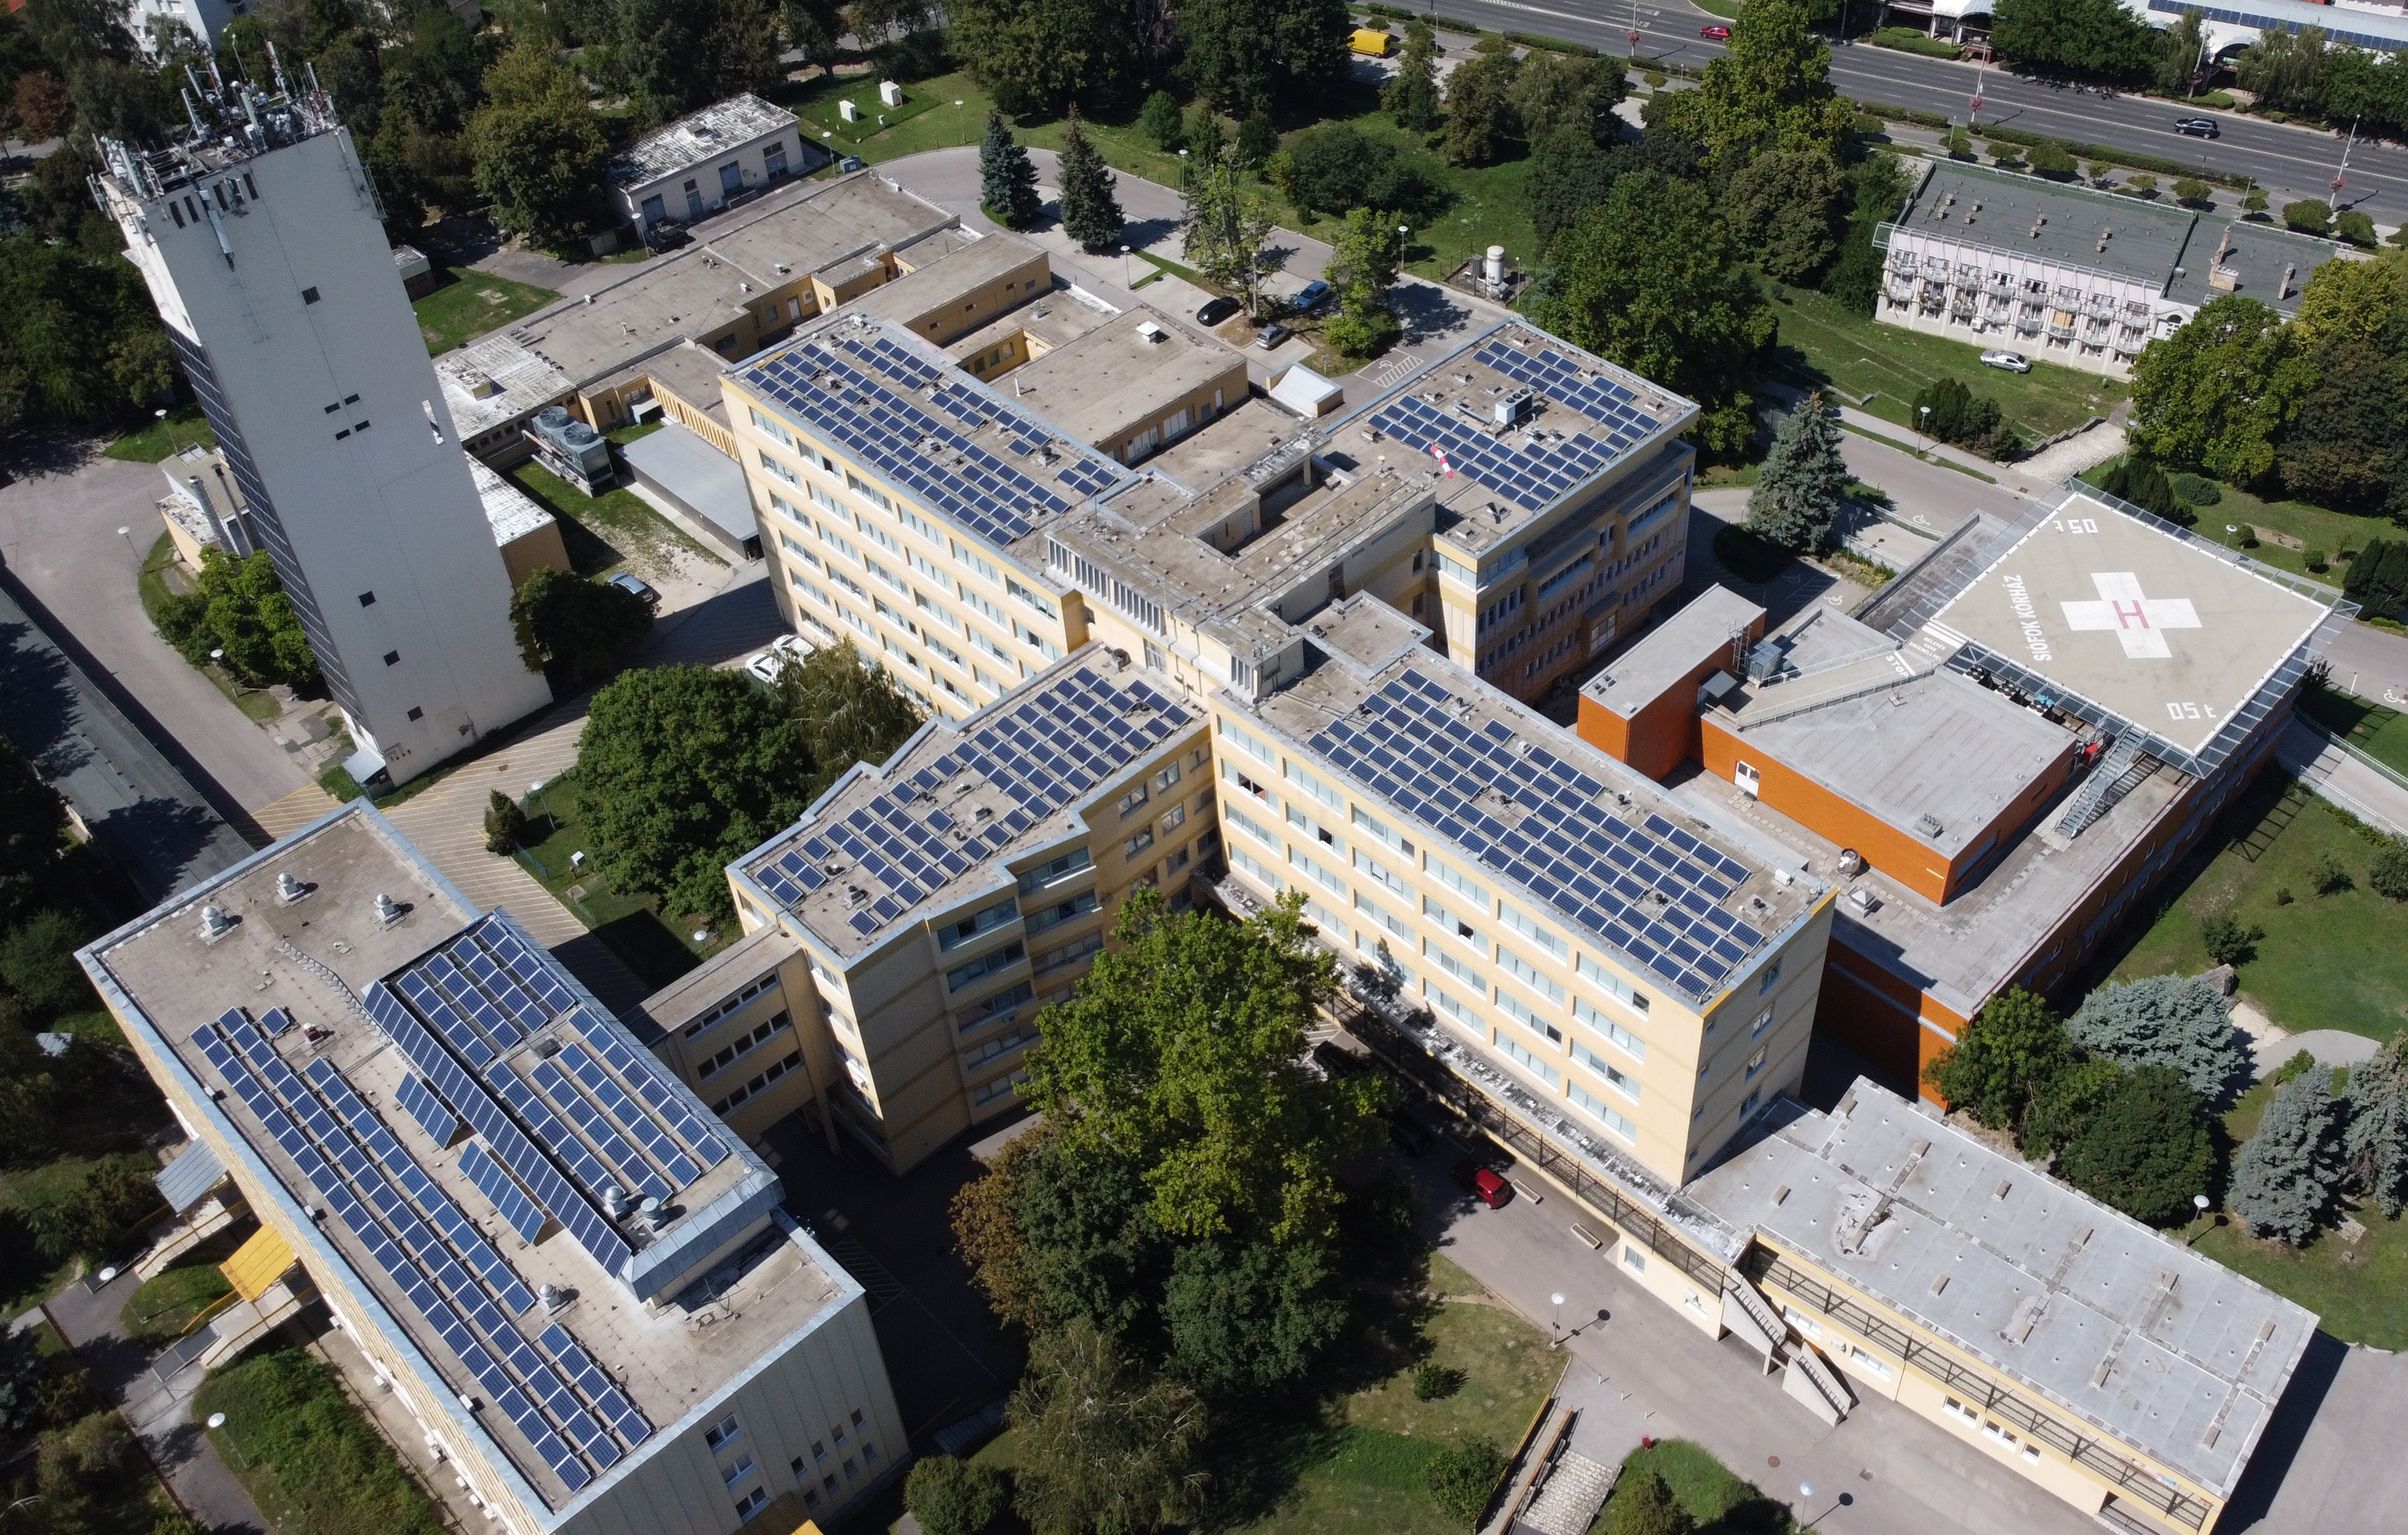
815	1472
728	1054
792	1061
726	1005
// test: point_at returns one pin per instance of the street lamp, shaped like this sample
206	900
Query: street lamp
217	1423
1556	1322
2198	1202
127	534
1921	450
1124	255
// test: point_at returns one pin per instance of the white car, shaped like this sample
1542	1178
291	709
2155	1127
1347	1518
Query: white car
787	647
2013	362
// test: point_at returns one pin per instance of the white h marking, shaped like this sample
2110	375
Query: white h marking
2138	621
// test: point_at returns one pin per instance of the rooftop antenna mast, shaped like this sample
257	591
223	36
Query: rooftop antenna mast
276	68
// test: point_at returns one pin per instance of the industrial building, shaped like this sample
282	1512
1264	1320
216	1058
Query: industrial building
265	251
579	1282
2069	274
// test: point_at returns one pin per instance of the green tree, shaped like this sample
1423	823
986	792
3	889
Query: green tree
1181	1052
1007	180
1256	140
2014	1044
1091	214
1462	1478
1480	123
2309	216
1568	173
2143	1148
1246	55
1569	92
844	711
949	1496
2229	941
1103	1447
1645	1505
1412	97
2051	158
505	824
91	1217
680	770
1226	224
38	964
2388	875
2063	1102
1250	1318
1875	189
1781	205
2354	226
2134	478
681	55
1655	281
813	29
2376	1138
33	832
1772	90
1362	269
1043	55
1334	167
1803	485
2182	47
563	620
1160	121
83	340
2095	39
2287	69
2285	1176
538	153
252	621
2174	1021
2217	391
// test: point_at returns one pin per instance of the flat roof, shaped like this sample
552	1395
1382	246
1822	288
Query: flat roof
2145	240
1125	375
2120	1326
495	378
2147	624
949	277
937	823
698	475
2269	262
697	138
1667	653
378	1077
705	986
2360	27
512	511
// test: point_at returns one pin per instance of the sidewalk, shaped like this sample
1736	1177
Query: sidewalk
2365	791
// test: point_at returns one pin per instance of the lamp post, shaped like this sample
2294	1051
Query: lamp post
1556	1321
1923	449
217	1423
1124	275
127	534
2198	1202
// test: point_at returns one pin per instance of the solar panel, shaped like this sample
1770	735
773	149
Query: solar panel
632	1171
641	1074
555	1134
616	1101
440	1125
610	1404
510	1202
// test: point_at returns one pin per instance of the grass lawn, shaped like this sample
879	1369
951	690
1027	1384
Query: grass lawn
1879	368
2315	527
604	532
1713	1495
2380	732
655	946
183	426
167	1304
310	1461
152	583
469	303
2329	961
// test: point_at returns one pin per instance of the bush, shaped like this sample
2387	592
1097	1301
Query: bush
1654	78
1161	121
2136	480
2309	216
2330	875
2387	876
2356	228
1336	168
2145	184
2254	201
2228	942
2198	491
1367	333
2298	1065
38	964
951	1496
505	823
1433	1381
1464	1478
2314	559
1870	126
1908	40
2051	159
578	627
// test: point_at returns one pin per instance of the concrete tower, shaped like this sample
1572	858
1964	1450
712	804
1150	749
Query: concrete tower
263	250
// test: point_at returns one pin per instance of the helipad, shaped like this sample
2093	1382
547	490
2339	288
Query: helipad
2158	629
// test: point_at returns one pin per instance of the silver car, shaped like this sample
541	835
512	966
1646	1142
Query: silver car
2013	362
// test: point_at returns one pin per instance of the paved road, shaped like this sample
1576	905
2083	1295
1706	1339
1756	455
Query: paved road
2290	162
2366	792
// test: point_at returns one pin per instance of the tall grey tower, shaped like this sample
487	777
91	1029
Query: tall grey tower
261	244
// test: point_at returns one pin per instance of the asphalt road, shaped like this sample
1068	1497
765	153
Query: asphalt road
2290	161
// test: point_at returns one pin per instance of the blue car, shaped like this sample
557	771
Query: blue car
1310	297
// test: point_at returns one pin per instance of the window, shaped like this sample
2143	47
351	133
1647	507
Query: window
1055	871
1529	927
1134	799
987	964
1763	1022
1613	985
1604	1113
1620	1038
769	425
750	1503
878	536
1024	594
1054	916
1451	922
1959	1409
1378	830
1137	844
1529	975
867	492
1307	824
1454	879
1251	828
954	933
1747	1104
1755	1063
1770	976
1167	777
1529	1018
1633	1259
735	1475
1458	968
1321	873
1313	786
393	658
1366	867
367	599
1253	745
1866	1359
980	604
1807	1326
822	496
727	1055
1176	818
781	470
1392	922
970	557
773	161
1528	1058
725	1432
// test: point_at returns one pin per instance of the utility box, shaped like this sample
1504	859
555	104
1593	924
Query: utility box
848	111
890	92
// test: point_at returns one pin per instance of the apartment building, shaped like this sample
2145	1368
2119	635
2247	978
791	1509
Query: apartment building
577	1280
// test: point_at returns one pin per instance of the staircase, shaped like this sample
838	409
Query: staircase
206	1220
1568	1501
2114	775
1814	1383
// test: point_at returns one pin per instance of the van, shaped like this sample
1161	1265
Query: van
1371	43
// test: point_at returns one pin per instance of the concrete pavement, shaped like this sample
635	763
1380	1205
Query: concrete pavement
2365	791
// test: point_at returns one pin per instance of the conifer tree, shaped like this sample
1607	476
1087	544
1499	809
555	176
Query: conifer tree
1007	181
2284	1178
1090	213
1796	499
2377	1141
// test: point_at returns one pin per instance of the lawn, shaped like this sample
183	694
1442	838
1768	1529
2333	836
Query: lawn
2327	961
170	1301
1879	368
604	532
1715	1496
2380	732
824	124
182	427
2310	526
469	303
630	922
309	1461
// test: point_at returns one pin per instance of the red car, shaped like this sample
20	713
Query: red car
1485	1185
1718	32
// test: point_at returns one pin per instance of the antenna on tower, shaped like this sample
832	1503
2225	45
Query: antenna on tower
215	77
192	110
276	68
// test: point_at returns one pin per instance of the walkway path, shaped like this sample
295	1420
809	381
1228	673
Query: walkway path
2317	761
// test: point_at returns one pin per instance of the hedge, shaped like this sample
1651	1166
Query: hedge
1551	44
1908	40
2113	156
1444	23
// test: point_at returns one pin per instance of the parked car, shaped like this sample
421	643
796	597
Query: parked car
766	667
1272	335
2197	127
1310	297
1412	1137
1215	310
2013	362
1715	30
627	580
1484	1184
666	237
850	161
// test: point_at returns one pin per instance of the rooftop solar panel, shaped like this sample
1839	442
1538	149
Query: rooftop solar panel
509	1201
440	1125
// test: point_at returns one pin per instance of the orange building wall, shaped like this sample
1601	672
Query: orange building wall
1881	1016
1664	733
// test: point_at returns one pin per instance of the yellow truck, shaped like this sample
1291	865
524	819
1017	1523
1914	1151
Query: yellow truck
1371	44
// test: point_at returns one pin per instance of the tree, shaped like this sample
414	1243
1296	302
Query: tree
1362	269
1091	214
2178	59
38	963
536	149
845	711
1252	1317
1180	1053
2097	39
2286	69
33	832
2377	580
505	824
1480	117
1244	55
1256	140
2309	216
2143	1148
1007	180
563	620
1781	204
1655	281
2012	1045
1043	55
1462	1478
43	107
82	341
1568	93
986	1229
1160	121
2283	1178
1772	90
2051	158
2214	395
2178	1021
2376	1139
252	621
2387	876
1568	173
1102	1445
1412	97
1646	1506
2329	874
1225	225
91	1217
680	770
2134	478
2062	1104
1334	167
949	1496
2228	940
1876	187
1804	483
813	29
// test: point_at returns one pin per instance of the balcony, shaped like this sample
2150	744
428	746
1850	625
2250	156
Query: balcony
1962	306
1967	277
2061	333
2101	304
2028	323
1999	287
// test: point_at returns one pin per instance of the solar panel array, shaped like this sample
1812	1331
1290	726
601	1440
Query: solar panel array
855	393
1041	753
428	1247
1532	477
1558	842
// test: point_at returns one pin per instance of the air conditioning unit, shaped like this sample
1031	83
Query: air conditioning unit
1151	332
